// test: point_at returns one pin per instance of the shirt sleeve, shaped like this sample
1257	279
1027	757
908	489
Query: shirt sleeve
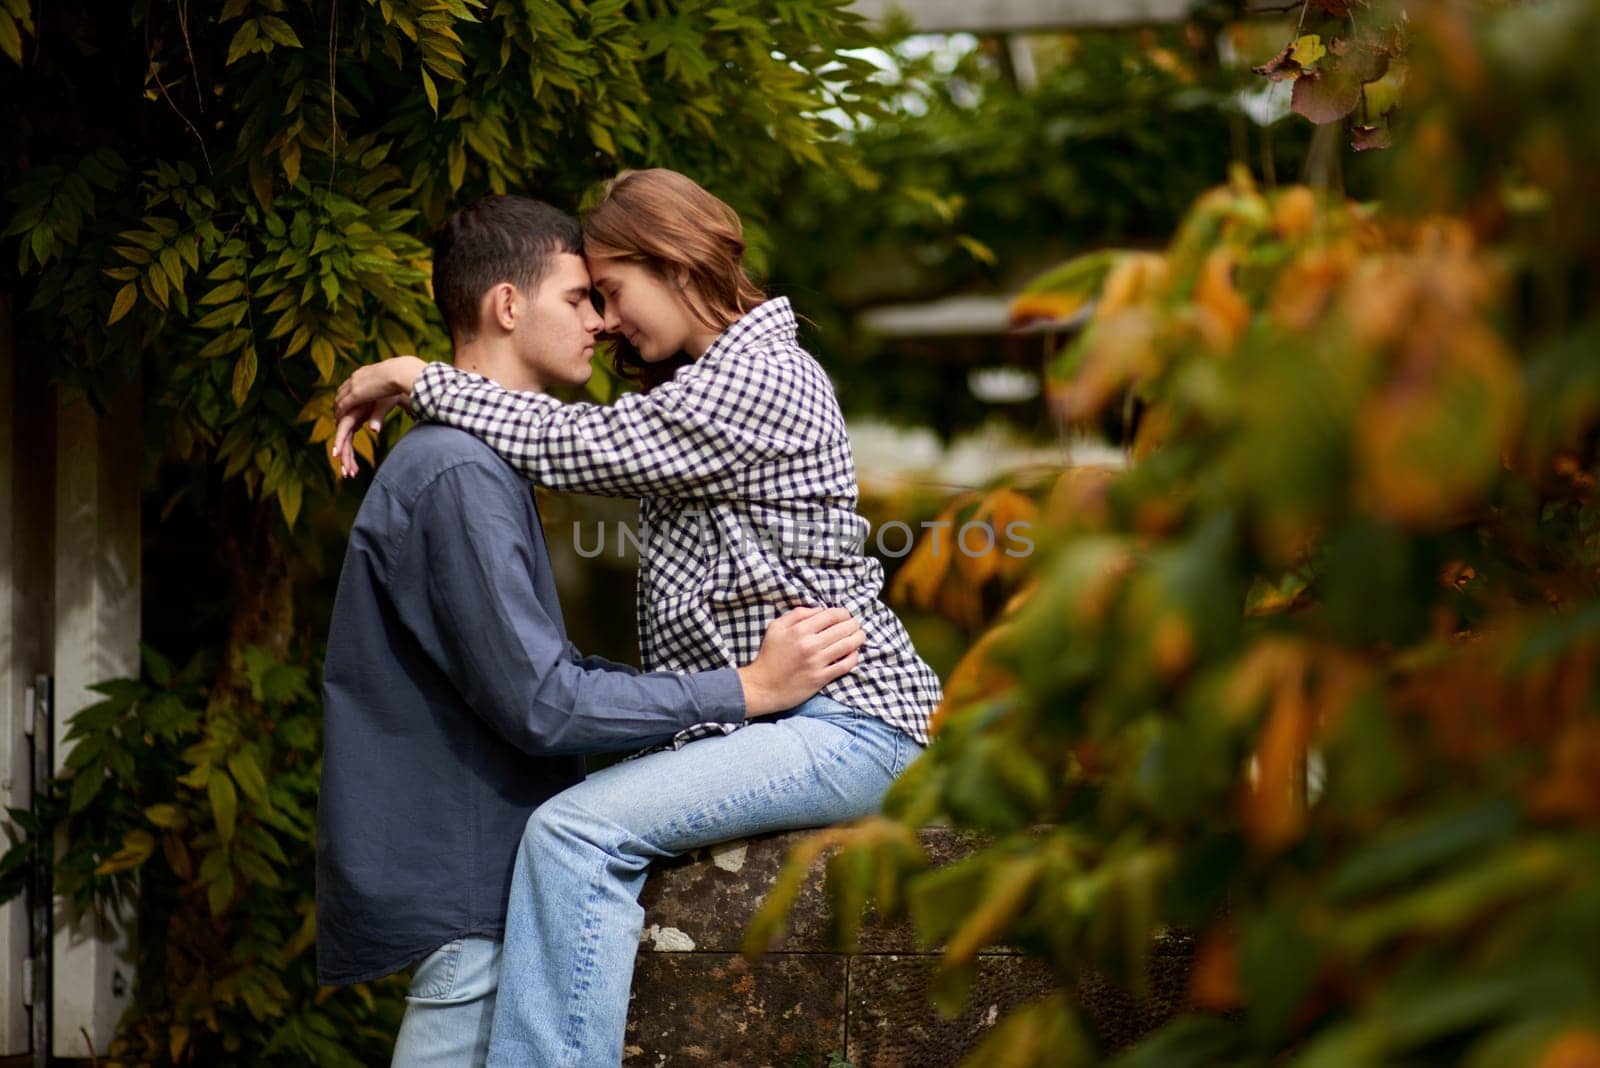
463	583
692	436
598	663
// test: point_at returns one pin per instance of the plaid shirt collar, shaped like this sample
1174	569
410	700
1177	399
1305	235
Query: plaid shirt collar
769	320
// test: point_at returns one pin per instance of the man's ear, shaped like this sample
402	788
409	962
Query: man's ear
503	309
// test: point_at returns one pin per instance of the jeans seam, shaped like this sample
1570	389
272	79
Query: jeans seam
453	959
583	967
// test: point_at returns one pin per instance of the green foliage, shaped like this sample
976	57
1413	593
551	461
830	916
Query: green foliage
202	817
246	224
229	204
1316	675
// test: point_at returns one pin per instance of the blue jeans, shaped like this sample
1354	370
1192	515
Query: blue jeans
449	1006
572	929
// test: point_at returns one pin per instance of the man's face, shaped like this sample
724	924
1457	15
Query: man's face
556	330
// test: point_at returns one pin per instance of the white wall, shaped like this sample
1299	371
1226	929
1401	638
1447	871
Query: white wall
17	667
96	638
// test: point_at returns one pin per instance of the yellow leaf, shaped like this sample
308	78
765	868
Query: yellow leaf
323	355
458	165
289	500
982	550
1224	313
244	376
1045	307
124	302
432	91
1293	212
224	803
1134	277
289	154
165	814
976	676
1307	50
918	581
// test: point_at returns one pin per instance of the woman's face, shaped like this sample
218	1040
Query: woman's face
650	311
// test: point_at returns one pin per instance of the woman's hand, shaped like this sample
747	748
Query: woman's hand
802	651
367	396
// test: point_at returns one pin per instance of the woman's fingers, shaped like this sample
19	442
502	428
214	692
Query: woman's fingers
364	386
370	416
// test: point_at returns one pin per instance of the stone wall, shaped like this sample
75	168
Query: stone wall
697	1002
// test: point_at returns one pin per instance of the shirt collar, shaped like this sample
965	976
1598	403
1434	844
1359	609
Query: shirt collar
770	320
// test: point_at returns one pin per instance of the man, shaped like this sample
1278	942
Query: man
454	703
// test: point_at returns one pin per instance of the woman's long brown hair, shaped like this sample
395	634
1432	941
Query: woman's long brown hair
668	223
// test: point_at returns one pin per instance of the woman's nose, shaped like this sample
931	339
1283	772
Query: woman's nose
613	321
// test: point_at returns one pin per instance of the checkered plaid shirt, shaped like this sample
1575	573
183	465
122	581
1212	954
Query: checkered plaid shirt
748	494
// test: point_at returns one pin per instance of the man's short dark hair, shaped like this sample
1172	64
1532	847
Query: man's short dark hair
498	239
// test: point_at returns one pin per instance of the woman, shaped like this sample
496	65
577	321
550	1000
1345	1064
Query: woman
738	450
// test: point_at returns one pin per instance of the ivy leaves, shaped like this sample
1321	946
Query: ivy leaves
1339	76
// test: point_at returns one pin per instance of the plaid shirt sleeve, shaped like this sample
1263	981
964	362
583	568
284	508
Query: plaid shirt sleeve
696	435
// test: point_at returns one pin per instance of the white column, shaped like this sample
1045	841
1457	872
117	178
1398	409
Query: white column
17	667
96	638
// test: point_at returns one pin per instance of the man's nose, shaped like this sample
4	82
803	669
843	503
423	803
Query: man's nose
592	321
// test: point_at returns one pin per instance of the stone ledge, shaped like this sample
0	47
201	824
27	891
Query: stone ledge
697	1002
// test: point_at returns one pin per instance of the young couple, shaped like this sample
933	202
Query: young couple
456	830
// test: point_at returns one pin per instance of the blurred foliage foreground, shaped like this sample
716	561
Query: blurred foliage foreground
1314	677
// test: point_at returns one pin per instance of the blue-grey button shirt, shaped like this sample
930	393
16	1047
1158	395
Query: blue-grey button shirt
454	705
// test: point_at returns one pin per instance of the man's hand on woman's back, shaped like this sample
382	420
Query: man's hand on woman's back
803	650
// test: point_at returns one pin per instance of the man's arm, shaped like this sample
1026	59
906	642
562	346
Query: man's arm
463	583
595	662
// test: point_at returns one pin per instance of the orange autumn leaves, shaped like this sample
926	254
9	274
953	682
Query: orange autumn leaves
1261	293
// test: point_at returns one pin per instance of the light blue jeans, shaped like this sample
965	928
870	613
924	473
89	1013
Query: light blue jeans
572	929
449	1006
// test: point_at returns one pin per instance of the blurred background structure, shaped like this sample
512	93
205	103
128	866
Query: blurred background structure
1276	321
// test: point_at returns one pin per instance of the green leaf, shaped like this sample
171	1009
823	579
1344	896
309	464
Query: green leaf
223	293
279	31
126	296
324	356
246	770
220	893
224	804
433	93
165	815
85	785
243	40
244	376
10	38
